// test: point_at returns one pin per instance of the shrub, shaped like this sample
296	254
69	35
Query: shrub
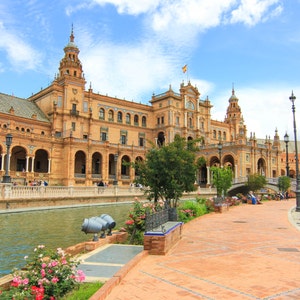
135	225
48	274
207	203
189	210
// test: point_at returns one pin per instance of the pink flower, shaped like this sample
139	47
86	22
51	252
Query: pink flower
43	273
64	261
16	281
54	263
44	265
80	276
54	280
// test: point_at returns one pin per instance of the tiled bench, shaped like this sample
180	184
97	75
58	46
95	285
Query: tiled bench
160	240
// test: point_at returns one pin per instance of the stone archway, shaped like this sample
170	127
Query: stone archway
261	167
80	164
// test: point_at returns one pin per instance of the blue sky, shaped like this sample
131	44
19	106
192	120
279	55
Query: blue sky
132	49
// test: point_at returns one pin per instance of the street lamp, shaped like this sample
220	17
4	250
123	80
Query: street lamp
286	140
293	98
220	146
115	182
8	142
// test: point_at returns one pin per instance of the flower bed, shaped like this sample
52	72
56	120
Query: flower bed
47	274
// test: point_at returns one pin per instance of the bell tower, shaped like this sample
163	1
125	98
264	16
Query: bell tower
70	65
235	118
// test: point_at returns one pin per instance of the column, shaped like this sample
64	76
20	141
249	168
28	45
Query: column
32	164
208	175
49	165
27	163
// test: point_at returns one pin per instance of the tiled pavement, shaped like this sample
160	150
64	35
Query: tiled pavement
102	263
247	252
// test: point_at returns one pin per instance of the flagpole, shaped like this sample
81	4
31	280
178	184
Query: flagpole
185	69
187	74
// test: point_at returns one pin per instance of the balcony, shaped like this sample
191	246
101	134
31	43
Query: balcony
74	112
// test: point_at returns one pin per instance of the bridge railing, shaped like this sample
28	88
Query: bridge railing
244	179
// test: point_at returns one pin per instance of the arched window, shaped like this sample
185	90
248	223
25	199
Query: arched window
144	121
128	118
101	114
136	120
120	117
110	115
224	136
214	134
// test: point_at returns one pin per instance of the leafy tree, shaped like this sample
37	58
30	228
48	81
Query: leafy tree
221	179
256	182
284	183
169	171
201	161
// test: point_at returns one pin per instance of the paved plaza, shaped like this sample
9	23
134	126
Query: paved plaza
247	252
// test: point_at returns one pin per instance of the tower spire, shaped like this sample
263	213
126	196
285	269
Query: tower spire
70	65
72	35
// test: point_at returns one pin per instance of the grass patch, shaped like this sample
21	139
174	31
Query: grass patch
84	291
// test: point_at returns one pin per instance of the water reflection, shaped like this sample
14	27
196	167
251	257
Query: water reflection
21	232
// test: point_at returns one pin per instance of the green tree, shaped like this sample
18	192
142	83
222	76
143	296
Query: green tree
284	183
221	179
201	161
256	182
169	171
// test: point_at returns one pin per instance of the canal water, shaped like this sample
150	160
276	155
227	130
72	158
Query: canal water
21	232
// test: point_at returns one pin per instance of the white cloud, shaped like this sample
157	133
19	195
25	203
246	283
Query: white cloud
251	12
182	20
129	71
132	7
19	53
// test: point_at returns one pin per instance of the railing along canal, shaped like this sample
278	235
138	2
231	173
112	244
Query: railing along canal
28	192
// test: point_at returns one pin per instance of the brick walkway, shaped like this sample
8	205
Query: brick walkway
247	252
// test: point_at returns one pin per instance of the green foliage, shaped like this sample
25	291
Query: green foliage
201	161
168	171
256	182
135	225
189	210
84	291
48	274
284	183
221	179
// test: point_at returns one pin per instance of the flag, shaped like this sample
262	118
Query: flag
184	68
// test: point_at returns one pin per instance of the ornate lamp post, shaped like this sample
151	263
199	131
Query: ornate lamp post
8	142
293	98
286	140
220	146
115	182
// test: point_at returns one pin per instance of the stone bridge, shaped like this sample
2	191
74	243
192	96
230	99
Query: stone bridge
272	183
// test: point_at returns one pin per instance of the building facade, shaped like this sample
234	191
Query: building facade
68	135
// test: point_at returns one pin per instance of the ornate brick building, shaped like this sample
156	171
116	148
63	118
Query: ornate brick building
67	135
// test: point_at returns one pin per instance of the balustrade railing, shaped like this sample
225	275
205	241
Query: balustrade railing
9	191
